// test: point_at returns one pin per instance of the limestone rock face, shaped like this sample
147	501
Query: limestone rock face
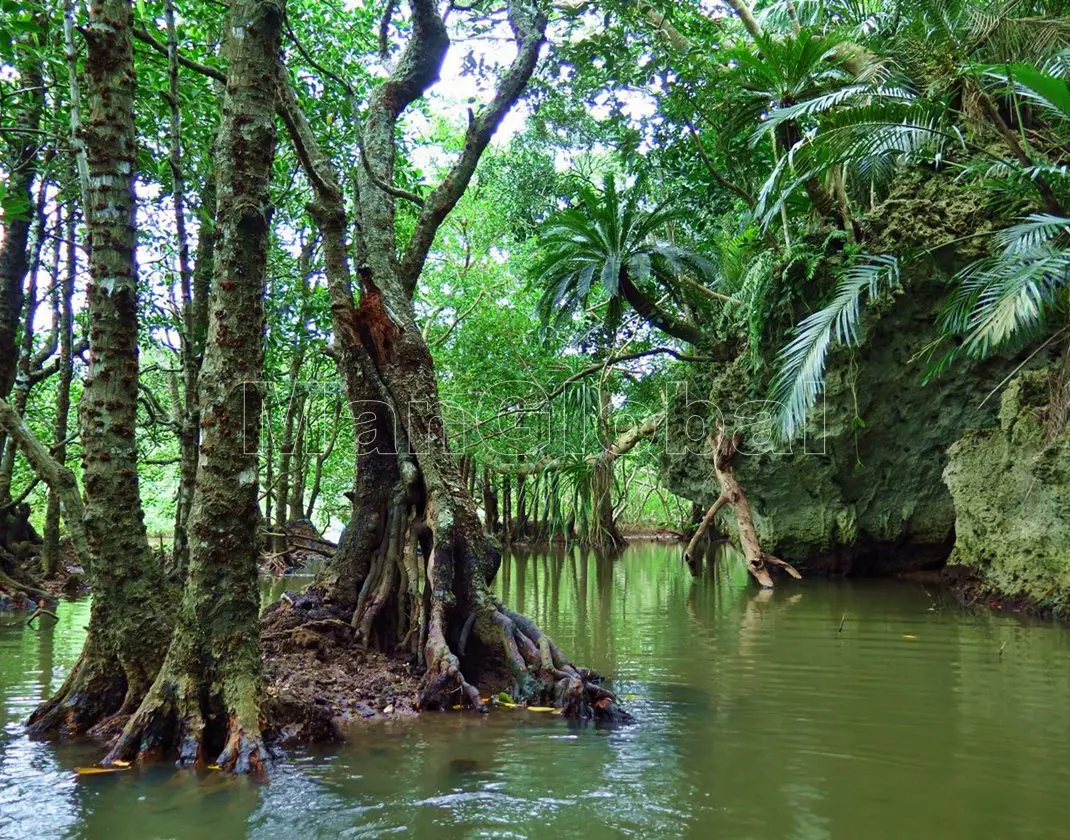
865	492
1012	501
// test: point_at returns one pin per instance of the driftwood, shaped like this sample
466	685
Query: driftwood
724	450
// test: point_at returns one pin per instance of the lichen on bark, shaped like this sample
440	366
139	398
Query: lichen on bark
127	627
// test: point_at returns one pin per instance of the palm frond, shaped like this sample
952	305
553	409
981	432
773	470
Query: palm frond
1051	92
801	377
1036	231
824	103
1002	298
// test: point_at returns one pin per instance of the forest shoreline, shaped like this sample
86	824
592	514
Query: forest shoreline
319	683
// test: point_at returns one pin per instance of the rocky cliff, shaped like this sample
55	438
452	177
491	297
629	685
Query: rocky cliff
1011	492
865	494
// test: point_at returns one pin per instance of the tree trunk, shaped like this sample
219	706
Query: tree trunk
507	509
194	287
604	533
416	543
21	168
522	508
300	464
205	701
127	626
746	16
286	458
63	398
23	379
321	459
490	502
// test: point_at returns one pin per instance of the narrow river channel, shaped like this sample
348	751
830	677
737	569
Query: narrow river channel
756	717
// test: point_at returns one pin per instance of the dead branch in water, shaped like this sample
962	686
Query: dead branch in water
724	448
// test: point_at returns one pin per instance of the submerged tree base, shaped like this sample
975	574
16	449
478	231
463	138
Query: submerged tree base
320	678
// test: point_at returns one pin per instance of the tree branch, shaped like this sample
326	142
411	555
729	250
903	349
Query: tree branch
528	23
54	474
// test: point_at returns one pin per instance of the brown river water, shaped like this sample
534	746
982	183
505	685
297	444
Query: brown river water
755	718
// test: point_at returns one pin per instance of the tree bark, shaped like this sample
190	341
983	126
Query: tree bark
24	381
296	509
21	166
654	315
490	502
759	560
286	457
127	627
205	700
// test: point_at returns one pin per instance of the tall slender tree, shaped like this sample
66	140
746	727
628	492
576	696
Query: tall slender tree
205	701
127	627
21	161
65	293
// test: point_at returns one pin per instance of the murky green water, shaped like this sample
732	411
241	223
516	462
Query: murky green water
756	719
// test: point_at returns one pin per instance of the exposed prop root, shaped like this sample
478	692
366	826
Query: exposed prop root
244	753
88	700
177	718
541	674
443	685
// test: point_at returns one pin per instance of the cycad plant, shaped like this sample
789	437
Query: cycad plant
781	72
925	97
611	240
1016	293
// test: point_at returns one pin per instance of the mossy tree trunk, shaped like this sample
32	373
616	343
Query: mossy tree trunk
127	627
415	564
205	700
20	164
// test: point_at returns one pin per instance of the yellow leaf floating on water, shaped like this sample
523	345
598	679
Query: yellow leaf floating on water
910	636
98	771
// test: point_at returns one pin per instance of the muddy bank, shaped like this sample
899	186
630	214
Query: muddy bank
318	680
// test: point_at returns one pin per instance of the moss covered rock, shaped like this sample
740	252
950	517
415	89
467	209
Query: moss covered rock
864	493
1011	492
